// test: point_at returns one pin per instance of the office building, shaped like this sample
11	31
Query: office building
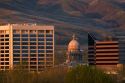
27	45
104	54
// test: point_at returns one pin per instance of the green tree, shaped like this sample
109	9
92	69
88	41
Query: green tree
85	74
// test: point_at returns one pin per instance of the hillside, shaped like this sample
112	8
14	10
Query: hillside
68	16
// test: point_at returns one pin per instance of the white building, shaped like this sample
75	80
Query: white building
29	45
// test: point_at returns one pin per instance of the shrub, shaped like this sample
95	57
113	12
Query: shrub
85	74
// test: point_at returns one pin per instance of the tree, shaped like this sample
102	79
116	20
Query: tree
85	74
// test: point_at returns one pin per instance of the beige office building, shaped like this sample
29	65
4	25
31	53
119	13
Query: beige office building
29	45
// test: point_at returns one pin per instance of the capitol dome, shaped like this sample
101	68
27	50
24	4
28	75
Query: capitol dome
73	45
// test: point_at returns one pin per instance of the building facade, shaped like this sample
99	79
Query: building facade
31	46
103	54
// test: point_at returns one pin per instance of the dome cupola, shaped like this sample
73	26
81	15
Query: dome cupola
73	45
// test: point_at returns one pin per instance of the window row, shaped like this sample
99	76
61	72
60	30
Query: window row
4	47
33	55
4	63
6	43
7	39
4	55
31	43
4	51
31	47
30	31
4	59
7	35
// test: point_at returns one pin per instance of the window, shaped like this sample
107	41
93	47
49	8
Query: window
32	31
7	47
32	47
24	60
40	51
24	47
2	55
24	35
41	43
41	55
2	47
49	39
6	39
1	35
16	47
49	51
2	39
42	63
49	59
6	55
16	43
6	63
6	35
24	43
40	39
32	35
16	39
24	39
40	47
32	55
32	43
41	59
33	63
2	59
33	59
41	31
2	51
2	63
6	59
16	51
6	51
32	39
16	59
49	43
24	31
41	35
16	35
24	51
2	43
33	51
16	31
16	63
7	43
16	55
49	47
49	31
49	35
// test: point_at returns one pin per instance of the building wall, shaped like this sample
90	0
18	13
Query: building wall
103	54
31	46
91	50
4	50
107	53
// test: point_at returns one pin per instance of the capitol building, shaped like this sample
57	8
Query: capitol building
74	53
